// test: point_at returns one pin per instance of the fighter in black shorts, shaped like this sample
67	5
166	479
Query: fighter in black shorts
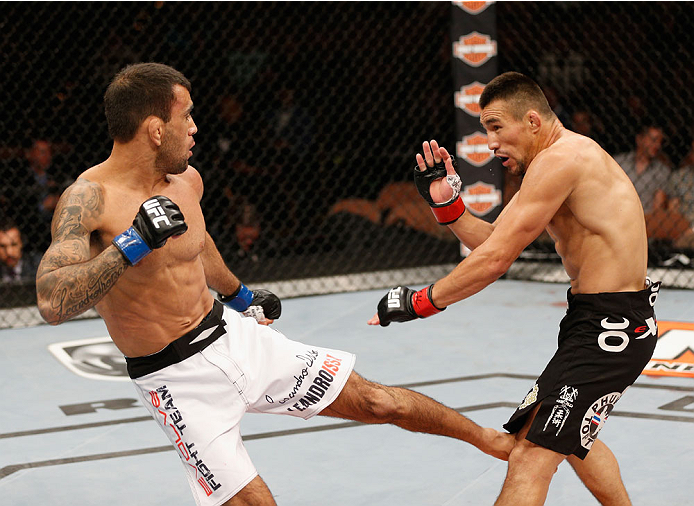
576	192
605	341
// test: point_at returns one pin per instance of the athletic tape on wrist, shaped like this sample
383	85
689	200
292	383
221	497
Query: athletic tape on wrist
456	184
131	245
255	312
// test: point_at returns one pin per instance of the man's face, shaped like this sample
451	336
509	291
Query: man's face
509	138
40	154
10	247
177	140
650	142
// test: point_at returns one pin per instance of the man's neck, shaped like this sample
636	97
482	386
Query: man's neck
134	165
554	131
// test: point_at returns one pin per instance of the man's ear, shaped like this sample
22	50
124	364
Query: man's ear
534	120
155	129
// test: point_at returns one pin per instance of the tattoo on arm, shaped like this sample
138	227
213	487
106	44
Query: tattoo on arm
68	282
73	289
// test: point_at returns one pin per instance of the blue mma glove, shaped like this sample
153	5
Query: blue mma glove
259	304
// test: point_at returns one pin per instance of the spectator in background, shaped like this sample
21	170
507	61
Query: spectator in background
14	264
681	190
292	126
42	186
644	166
40	165
30	188
585	123
291	130
251	243
665	224
243	238
557	107
243	159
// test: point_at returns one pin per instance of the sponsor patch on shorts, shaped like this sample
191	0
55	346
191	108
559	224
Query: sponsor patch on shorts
595	418
320	385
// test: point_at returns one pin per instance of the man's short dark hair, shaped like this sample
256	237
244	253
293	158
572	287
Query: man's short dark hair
7	223
521	92
139	91
646	126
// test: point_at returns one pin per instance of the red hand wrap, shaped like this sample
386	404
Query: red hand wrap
449	213
422	304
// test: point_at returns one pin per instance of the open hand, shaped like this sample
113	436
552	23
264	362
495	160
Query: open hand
440	190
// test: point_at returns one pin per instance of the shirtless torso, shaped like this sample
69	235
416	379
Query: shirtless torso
599	230
104	200
176	269
573	189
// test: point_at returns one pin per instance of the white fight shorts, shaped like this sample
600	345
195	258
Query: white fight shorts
199	387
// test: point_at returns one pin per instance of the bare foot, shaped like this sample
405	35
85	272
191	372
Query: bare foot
497	444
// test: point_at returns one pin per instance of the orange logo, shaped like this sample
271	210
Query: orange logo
468	98
475	49
674	353
473	149
473	7
481	197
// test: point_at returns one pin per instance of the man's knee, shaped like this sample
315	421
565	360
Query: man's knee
255	493
381	403
529	459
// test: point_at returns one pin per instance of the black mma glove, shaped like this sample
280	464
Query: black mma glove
260	304
446	212
402	304
157	220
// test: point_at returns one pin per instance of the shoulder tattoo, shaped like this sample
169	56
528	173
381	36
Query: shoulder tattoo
80	205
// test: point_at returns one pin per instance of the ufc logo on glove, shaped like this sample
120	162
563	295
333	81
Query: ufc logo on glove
394	297
154	208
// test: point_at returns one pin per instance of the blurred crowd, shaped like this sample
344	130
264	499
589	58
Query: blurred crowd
307	131
246	189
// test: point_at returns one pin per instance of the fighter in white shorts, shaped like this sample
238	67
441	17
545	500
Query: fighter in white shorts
199	387
197	364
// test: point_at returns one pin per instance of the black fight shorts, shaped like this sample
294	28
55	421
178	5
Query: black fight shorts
605	341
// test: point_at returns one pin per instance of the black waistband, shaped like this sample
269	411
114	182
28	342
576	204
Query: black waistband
616	301
181	348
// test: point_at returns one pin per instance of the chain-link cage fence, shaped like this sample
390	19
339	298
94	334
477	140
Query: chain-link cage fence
618	72
309	116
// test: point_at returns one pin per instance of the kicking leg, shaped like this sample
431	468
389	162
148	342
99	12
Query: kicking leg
599	472
255	493
369	402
